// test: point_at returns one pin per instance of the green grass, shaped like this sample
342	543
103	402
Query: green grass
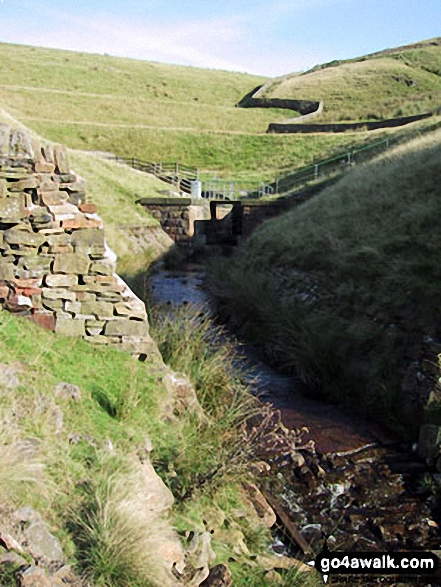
247	157
114	188
366	254
155	112
86	479
385	85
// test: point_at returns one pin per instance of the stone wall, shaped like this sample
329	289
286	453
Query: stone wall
305	107
344	126
55	267
177	217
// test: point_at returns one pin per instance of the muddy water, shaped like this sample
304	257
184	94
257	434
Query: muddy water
331	429
350	494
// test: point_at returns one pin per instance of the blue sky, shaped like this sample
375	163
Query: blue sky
269	37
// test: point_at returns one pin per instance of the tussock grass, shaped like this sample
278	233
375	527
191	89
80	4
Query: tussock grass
343	288
190	343
118	535
19	472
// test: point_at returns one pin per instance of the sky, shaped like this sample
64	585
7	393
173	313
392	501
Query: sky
265	37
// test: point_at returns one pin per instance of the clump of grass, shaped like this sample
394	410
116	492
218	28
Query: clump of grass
190	343
20	471
118	535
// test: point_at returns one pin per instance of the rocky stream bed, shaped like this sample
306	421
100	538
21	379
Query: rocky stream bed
332	479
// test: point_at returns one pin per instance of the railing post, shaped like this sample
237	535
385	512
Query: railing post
316	171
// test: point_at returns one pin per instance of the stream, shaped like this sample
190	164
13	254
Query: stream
353	492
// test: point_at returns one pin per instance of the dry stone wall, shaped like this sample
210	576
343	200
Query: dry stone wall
55	266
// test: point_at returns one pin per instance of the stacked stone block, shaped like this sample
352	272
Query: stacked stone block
55	267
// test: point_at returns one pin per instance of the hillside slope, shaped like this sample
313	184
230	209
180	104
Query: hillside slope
345	289
392	83
153	111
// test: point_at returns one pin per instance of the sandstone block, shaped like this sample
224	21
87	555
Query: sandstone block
36	265
6	270
125	327
58	293
39	216
76	263
84	296
61	159
140	345
44	319
80	221
73	307
104	267
3	188
35	577
108	296
43	167
23	237
98	309
65	178
64	209
136	310
70	327
48	153
53	197
45	183
99	339
52	305
42	543
60	250
27	183
20	144
89	241
88	207
12	209
60	280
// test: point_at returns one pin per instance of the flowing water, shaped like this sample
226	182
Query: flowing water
331	429
351	493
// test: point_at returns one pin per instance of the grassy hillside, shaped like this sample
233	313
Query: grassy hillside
114	188
154	111
345	288
397	82
78	461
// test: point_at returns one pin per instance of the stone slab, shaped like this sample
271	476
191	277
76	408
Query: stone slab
12	209
98	309
76	263
126	327
60	280
70	327
58	293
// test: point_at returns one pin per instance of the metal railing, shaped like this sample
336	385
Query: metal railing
328	167
174	173
182	176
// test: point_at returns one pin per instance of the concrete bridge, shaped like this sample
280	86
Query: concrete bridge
216	222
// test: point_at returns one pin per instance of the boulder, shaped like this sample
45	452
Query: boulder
43	544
